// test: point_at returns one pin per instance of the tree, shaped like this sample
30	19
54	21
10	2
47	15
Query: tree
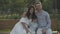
48	5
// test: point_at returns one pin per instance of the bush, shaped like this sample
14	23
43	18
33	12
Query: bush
10	17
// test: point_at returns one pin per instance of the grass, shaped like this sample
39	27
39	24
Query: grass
13	16
6	30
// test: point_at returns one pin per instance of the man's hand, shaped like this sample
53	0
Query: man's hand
44	31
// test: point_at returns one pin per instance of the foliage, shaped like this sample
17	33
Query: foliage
48	5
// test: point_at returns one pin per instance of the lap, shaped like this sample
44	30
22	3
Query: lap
49	31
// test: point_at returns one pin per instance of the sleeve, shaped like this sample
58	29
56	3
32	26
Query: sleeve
48	20
23	19
29	24
13	31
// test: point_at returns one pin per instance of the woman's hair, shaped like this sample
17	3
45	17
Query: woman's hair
33	16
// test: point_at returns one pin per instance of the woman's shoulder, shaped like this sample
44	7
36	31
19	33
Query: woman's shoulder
24	14
23	18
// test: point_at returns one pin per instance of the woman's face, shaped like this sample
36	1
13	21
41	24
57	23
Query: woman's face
31	10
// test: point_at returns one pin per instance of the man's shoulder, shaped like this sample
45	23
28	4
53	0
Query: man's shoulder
45	12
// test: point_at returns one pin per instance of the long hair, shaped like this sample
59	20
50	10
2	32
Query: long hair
33	14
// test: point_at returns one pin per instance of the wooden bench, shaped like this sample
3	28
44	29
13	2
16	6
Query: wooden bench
7	24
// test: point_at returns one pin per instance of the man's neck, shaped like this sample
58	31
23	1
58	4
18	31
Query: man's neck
39	11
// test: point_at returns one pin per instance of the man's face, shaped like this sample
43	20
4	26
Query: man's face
38	6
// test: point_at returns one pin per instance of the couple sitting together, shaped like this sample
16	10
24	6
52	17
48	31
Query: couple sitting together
34	21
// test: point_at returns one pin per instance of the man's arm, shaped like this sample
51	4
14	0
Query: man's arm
48	25
48	20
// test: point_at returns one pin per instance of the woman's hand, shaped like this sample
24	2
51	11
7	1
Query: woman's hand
25	26
31	32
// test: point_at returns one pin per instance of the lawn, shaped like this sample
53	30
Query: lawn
6	30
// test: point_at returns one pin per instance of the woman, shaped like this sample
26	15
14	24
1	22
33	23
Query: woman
33	25
33	20
22	26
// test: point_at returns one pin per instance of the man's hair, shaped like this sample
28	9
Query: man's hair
37	3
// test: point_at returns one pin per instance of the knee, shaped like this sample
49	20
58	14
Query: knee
49	31
39	31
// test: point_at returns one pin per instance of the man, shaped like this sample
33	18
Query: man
44	22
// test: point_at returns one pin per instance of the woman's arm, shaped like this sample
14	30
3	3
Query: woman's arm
25	26
36	30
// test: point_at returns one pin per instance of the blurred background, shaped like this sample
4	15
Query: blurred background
11	11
